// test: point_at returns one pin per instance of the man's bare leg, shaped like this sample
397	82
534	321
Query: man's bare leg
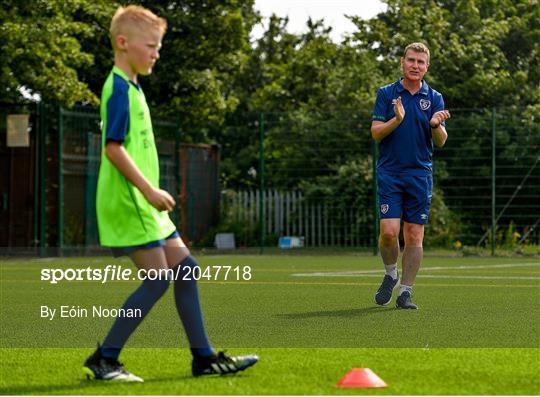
389	247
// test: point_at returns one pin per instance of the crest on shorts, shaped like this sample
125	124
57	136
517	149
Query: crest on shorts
424	104
384	208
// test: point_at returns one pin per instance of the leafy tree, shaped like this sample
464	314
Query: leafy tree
61	50
239	136
481	50
310	90
316	95
485	55
40	50
203	52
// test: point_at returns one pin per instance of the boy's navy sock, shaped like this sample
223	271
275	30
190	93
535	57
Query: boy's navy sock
144	298
186	296
110	352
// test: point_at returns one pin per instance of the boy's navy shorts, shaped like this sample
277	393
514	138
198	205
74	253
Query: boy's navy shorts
126	251
405	196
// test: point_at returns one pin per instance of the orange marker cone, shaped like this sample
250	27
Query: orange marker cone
361	377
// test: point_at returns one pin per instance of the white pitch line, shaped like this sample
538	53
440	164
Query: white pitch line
445	276
378	272
471	277
481	277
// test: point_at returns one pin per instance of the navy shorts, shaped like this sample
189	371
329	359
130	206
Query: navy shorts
126	251
405	196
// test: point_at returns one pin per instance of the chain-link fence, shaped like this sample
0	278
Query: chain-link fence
304	174
317	181
48	188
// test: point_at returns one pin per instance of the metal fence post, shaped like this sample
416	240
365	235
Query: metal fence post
493	177
261	183
36	178
60	180
177	170
375	200
42	132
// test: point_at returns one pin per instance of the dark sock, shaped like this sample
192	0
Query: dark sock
144	298
203	353
186	296
110	352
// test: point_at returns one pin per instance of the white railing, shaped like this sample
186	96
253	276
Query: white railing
289	213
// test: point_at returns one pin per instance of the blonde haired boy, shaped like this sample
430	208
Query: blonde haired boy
132	210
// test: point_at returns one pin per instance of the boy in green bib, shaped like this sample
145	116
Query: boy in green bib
132	210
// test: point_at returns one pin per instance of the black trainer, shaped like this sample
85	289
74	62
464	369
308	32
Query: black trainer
221	364
384	293
103	368
404	301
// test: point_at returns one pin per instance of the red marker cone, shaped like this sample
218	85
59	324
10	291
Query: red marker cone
361	377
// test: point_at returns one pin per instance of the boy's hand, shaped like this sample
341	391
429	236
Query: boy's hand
160	199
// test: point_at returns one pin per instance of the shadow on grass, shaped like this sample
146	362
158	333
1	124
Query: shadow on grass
54	388
361	312
92	386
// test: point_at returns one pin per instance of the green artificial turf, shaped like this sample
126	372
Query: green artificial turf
310	318
283	371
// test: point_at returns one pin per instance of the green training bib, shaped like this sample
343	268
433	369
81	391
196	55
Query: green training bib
124	216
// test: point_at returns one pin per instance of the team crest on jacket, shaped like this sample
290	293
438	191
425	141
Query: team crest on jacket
424	104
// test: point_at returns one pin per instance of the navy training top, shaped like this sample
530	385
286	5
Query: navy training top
118	110
409	148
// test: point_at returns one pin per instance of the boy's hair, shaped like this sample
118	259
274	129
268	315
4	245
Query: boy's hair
417	47
134	16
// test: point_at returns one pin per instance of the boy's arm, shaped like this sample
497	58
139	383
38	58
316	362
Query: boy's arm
118	155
